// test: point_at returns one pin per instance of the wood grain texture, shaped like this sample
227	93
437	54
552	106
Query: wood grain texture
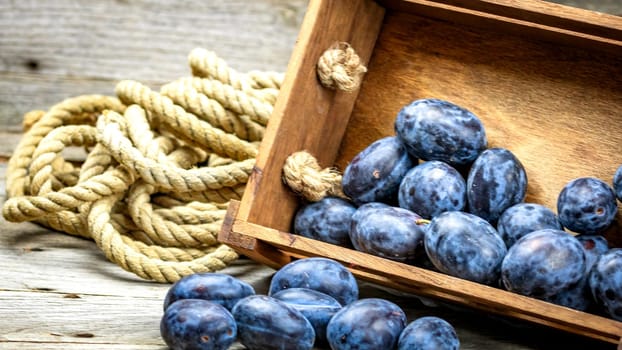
9	143
250	247
545	13
53	50
73	319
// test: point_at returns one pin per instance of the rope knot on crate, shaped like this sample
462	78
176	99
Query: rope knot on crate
159	171
340	67
304	176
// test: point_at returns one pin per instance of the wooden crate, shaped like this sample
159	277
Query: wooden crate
545	79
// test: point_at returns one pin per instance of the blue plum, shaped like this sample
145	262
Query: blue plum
595	246
543	263
466	246
320	274
606	282
431	188
434	129
360	213
366	324
579	295
496	181
197	324
220	288
617	183
587	205
522	218
375	173
315	306
389	232
265	323
363	209
429	333
326	220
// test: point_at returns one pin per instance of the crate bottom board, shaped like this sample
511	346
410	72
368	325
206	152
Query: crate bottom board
276	248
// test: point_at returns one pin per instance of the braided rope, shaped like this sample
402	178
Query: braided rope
160	167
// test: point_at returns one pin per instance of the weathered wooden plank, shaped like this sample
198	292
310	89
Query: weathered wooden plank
37	345
23	92
36	259
54	50
2	181
113	39
52	317
8	144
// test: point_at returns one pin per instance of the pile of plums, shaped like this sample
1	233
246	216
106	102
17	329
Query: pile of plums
311	302
435	195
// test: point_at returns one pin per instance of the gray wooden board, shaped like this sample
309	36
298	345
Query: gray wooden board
607	6
59	291
57	49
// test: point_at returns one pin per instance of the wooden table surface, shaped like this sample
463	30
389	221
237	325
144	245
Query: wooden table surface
58	291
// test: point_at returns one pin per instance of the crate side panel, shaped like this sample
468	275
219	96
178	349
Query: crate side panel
308	116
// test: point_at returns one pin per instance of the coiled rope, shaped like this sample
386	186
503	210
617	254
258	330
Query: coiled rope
160	169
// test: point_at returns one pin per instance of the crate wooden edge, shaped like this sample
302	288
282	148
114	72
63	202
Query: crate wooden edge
553	15
254	235
285	246
548	21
